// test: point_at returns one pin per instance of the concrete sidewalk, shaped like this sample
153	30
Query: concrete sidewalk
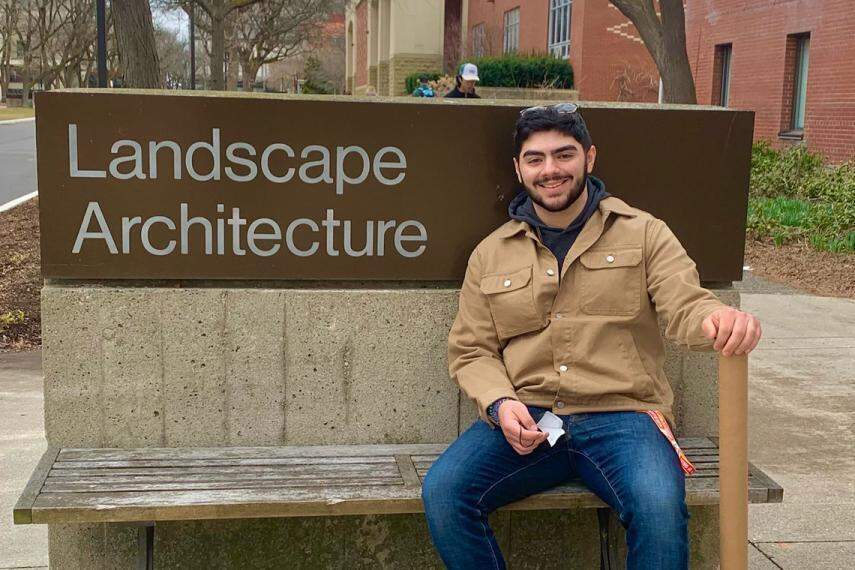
801	432
22	443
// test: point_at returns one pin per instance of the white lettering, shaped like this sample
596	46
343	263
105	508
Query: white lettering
83	233
340	176
265	163
170	245
72	157
400	237
379	164
289	237
231	156
214	149
252	235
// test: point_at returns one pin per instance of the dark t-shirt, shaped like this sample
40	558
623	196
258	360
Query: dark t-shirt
458	94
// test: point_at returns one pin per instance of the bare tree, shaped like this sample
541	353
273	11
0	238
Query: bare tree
217	10
664	36
135	39
174	59
273	30
8	24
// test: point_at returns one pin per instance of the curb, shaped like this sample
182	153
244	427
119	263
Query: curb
18	201
15	121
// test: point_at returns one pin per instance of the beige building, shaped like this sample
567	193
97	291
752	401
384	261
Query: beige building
387	40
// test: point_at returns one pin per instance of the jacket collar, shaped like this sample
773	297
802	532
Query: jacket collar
610	204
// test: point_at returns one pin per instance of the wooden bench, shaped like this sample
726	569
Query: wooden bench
147	485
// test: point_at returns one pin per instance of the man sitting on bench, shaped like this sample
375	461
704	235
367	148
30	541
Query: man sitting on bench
558	315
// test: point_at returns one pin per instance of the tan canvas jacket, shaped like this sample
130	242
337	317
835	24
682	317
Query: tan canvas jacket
584	337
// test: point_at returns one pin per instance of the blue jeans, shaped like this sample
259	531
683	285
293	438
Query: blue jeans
620	456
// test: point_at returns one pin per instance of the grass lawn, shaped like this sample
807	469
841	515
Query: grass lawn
8	113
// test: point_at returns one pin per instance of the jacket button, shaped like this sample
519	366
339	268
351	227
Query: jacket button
559	404
507	283
558	315
563	368
610	258
550	272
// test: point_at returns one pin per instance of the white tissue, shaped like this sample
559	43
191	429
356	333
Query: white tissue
553	426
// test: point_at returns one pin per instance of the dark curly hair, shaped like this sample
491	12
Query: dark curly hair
548	119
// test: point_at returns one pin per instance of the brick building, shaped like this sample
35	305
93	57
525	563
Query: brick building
790	61
610	62
387	40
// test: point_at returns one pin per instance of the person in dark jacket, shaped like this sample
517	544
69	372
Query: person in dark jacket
465	80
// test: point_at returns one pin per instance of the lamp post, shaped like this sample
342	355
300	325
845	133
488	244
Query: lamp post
100	17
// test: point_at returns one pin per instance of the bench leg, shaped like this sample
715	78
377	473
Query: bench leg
145	543
605	542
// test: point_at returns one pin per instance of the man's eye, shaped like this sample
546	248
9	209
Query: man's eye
534	161
565	156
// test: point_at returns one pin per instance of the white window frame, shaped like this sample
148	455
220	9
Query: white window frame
726	59
511	31
560	14
479	40
800	85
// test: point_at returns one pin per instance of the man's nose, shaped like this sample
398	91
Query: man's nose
550	166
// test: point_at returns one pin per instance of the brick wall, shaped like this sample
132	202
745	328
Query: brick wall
534	15
609	59
383	78
763	63
610	62
361	31
403	64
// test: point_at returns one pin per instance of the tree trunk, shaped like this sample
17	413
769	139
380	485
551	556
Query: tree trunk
218	41
250	70
665	39
135	38
680	85
232	65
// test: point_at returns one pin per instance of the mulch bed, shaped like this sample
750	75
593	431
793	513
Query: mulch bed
20	276
799	266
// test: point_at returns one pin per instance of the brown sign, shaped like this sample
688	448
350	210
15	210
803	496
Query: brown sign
206	187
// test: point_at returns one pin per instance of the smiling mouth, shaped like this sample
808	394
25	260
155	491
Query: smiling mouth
553	184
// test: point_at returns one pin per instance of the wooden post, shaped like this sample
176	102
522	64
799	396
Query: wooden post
733	461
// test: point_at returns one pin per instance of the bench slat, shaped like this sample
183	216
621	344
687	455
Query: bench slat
115	486
218	477
299	451
22	513
109	485
185	463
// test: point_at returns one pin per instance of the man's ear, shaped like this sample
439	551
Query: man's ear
517	168
592	158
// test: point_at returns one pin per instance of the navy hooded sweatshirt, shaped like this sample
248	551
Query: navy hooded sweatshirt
558	240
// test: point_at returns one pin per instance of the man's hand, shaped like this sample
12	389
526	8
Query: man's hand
735	332
519	428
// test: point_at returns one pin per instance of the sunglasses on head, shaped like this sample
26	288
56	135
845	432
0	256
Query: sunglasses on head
560	108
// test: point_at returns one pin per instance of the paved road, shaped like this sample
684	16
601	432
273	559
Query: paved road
17	160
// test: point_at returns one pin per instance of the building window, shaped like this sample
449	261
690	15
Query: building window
559	27
800	84
479	40
795	86
512	30
721	74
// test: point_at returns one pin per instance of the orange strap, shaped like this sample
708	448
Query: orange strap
662	424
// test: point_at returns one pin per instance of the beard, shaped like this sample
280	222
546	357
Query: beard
574	193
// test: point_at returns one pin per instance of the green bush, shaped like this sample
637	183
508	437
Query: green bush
412	80
515	70
794	196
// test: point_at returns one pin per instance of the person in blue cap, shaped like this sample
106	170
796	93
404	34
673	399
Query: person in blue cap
423	89
465	80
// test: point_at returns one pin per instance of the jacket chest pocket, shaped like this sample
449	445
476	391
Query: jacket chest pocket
609	281
512	305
